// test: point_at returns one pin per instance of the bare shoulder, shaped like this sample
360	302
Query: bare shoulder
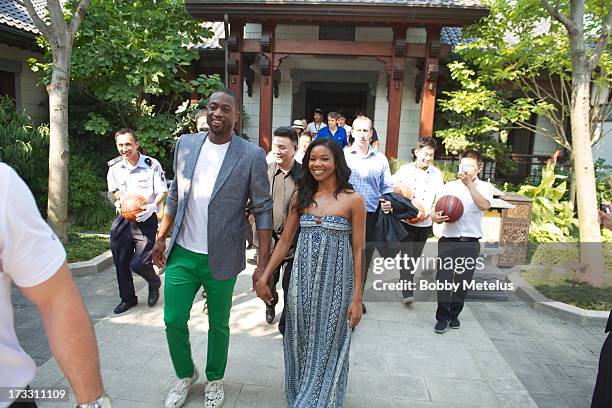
352	199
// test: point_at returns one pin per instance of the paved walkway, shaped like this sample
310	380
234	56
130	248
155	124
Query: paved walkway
504	355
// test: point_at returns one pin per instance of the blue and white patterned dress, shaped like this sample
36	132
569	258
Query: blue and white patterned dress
317	337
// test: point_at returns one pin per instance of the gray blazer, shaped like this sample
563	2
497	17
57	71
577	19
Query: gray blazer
243	176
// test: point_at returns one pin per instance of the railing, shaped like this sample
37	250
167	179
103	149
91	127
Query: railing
528	167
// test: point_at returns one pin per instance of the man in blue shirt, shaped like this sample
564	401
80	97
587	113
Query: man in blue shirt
333	130
370	177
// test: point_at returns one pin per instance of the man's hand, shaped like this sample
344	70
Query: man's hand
465	179
257	276
118	206
437	217
147	211
605	219
386	206
159	253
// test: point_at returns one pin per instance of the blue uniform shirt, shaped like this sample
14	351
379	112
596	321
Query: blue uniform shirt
147	178
339	136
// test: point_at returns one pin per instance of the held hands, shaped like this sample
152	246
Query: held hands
354	314
263	291
159	253
437	217
147	211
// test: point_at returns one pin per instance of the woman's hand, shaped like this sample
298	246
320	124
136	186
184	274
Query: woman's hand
354	314
263	291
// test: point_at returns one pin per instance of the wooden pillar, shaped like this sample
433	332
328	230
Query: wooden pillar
395	74
428	101
266	63
235	66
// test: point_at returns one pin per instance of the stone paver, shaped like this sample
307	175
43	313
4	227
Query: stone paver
504	355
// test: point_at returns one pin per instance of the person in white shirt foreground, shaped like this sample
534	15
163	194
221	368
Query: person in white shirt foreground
460	239
424	182
33	258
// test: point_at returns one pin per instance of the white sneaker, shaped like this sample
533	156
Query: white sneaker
178	394
213	394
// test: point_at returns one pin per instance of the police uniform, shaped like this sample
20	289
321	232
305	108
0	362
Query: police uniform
132	242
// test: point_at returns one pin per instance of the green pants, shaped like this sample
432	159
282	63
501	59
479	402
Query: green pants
186	272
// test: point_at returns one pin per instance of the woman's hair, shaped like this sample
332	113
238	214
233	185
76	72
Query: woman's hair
308	186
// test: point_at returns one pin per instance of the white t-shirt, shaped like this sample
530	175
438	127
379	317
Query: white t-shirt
30	254
470	223
426	184
315	127
194	234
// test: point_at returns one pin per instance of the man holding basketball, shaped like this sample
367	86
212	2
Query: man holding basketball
460	239
425	183
133	173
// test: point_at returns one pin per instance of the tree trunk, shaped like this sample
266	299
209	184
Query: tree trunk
57	208
591	251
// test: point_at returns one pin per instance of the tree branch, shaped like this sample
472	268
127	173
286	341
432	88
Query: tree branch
38	22
77	17
603	41
56	12
557	15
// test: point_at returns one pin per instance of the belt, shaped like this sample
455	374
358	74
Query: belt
461	239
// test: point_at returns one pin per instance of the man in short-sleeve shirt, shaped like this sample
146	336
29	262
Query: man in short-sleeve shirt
460	239
132	242
32	257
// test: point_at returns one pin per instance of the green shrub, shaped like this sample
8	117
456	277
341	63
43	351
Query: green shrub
552	220
449	170
25	148
87	206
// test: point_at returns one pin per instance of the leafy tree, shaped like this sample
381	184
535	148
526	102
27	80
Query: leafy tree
58	29
530	57
134	58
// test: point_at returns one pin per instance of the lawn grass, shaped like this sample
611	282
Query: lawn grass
560	286
85	247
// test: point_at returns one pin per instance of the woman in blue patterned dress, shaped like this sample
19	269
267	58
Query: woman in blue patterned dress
324	297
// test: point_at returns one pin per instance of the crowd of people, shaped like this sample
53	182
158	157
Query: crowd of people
314	207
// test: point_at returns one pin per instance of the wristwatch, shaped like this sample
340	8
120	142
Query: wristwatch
103	401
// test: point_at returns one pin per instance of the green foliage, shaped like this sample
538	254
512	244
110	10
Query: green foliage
515	66
87	205
449	170
82	247
133	58
552	220
603	179
25	148
395	164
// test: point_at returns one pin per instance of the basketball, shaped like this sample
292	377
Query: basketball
420	216
404	190
450	206
130	206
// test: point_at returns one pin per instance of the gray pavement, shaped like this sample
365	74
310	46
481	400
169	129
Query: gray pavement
504	355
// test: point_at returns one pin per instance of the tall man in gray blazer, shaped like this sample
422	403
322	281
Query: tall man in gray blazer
215	175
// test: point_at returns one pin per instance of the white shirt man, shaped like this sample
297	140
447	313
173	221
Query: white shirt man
32	257
425	183
460	239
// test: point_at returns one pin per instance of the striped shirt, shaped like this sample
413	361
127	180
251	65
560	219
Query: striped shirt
370	175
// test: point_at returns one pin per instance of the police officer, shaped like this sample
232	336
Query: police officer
132	243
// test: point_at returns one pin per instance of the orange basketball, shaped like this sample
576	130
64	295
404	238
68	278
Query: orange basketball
130	206
420	216
450	206
404	190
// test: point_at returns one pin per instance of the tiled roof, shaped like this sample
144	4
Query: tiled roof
16	16
449	35
411	3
